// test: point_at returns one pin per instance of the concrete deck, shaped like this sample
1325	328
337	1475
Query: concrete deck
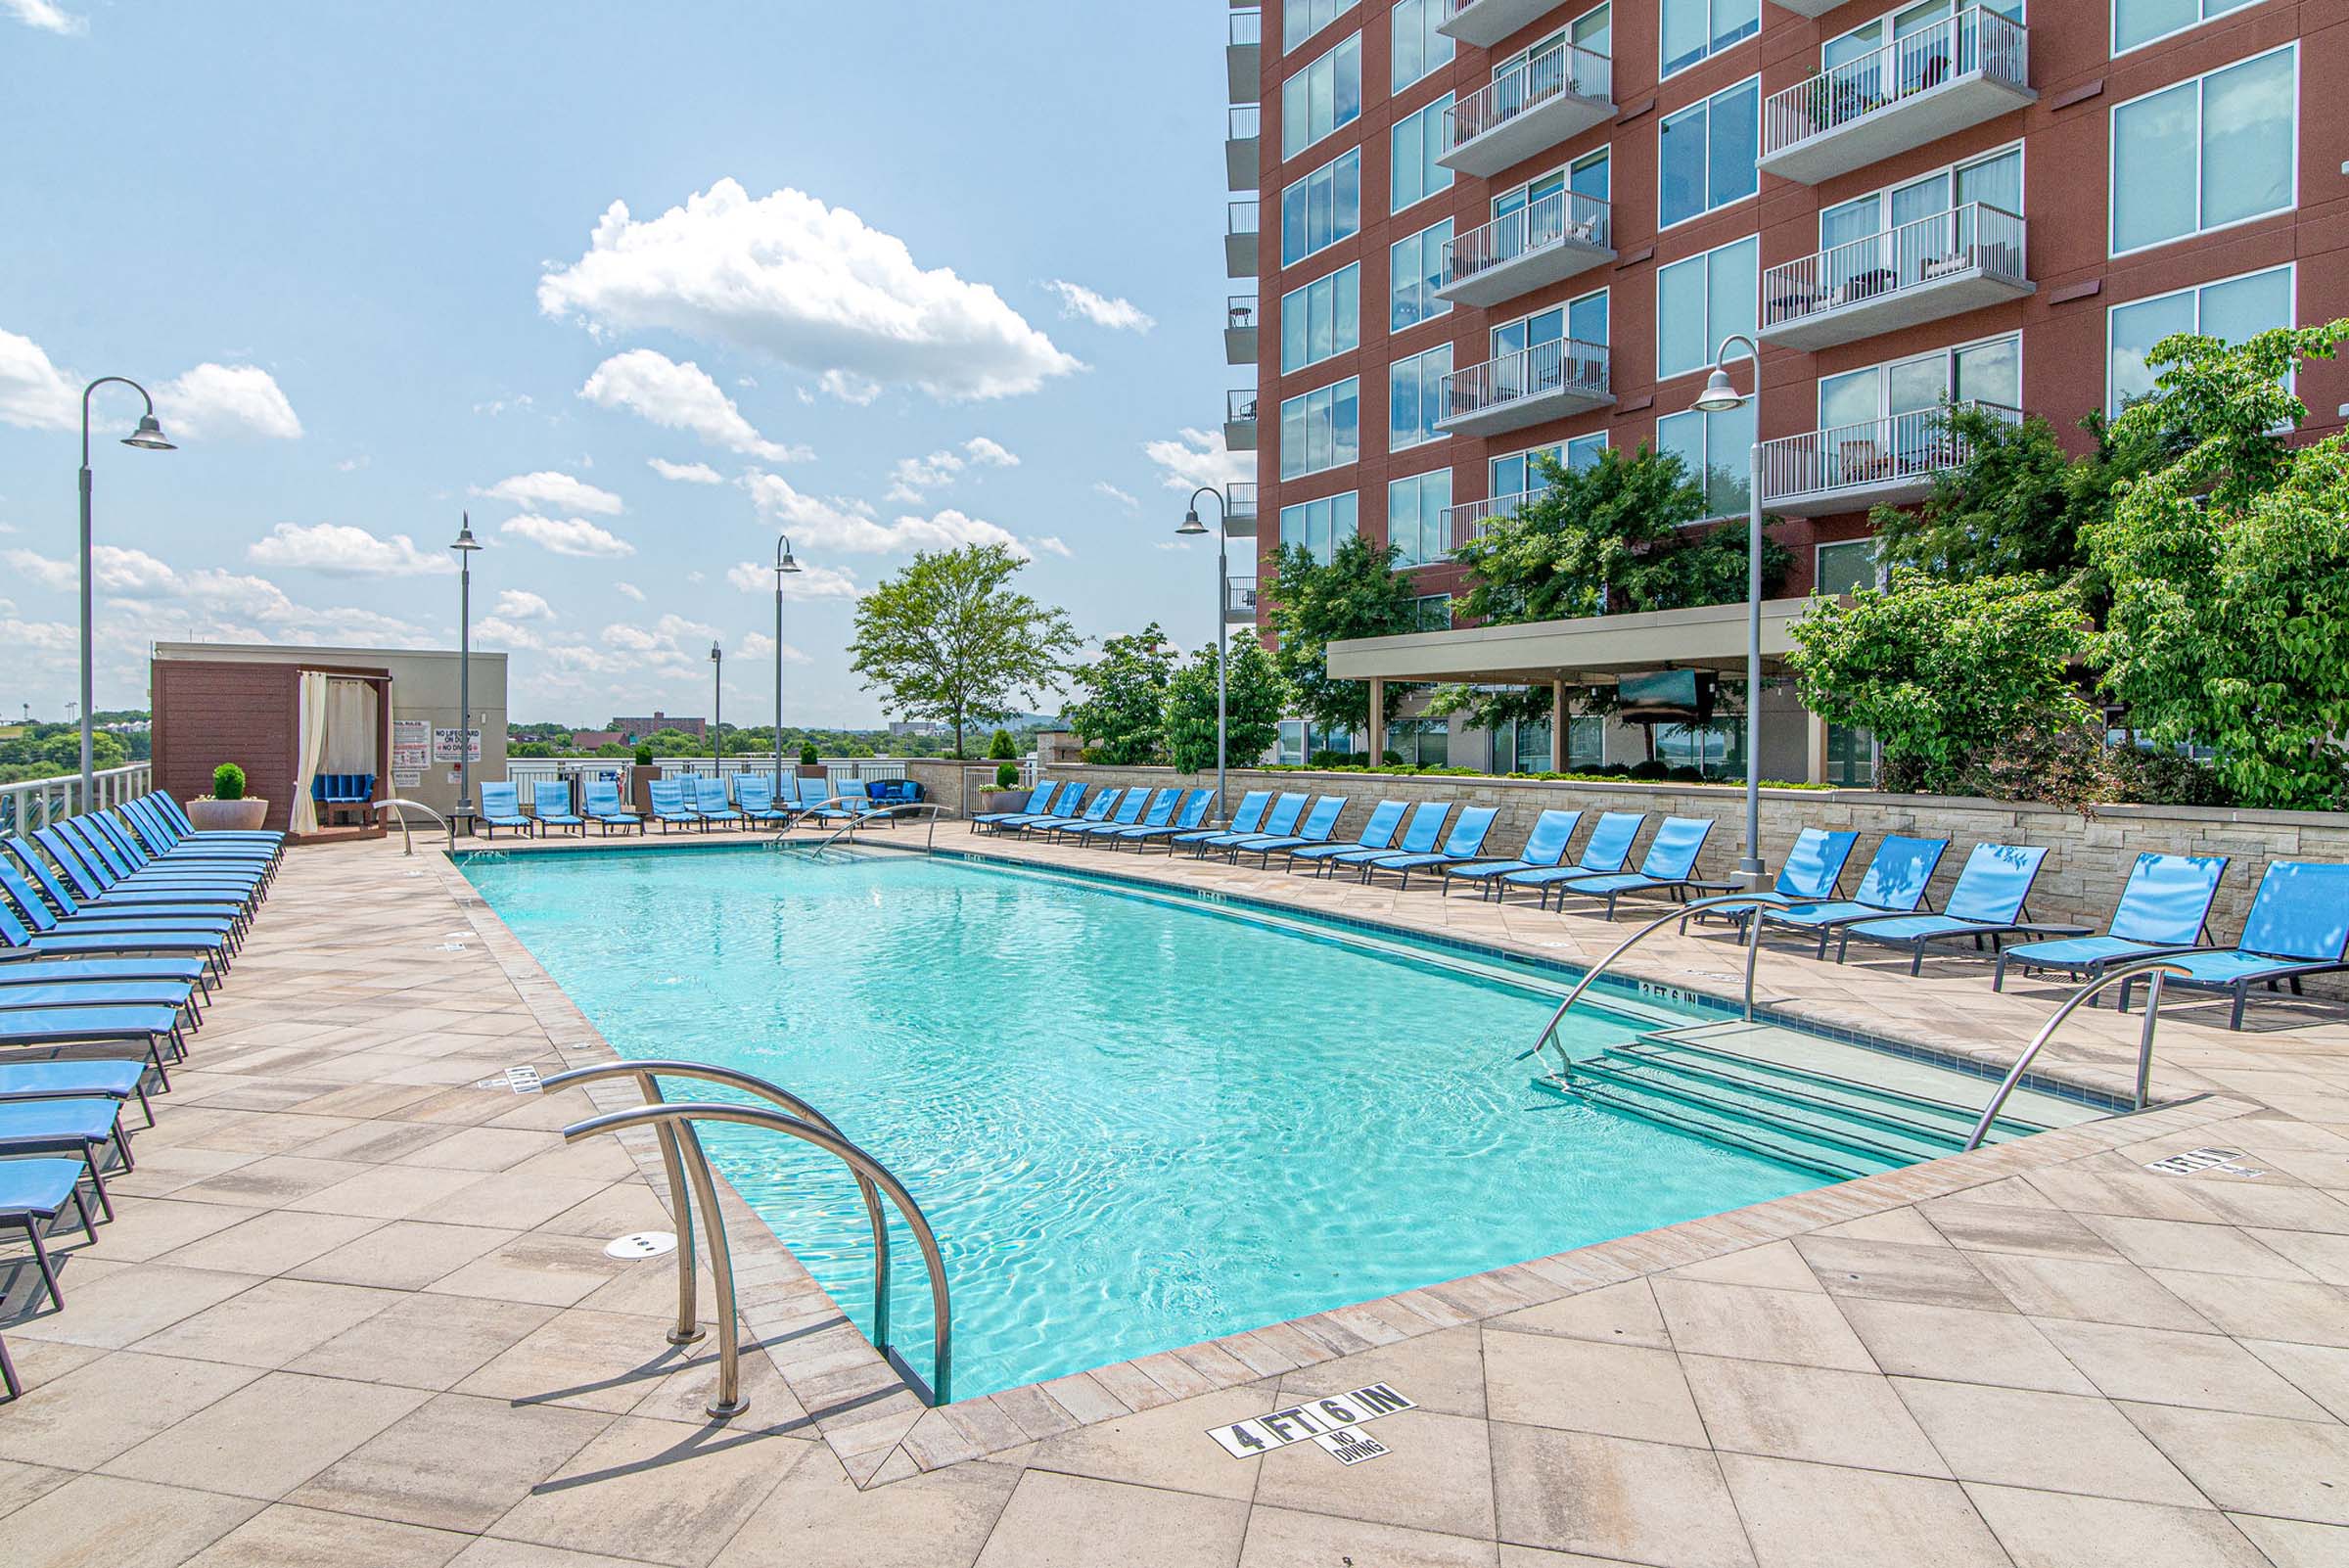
356	1308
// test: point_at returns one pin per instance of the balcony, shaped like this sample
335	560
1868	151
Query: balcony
1240	419
1531	387
1972	68
1239	240
1937	266
1877	462
1239	330
1243	56
1807	8
1239	510
1469	519
1556	237
1486	22
1239	599
1541	103
1242	125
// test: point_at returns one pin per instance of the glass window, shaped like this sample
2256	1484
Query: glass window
1320	429
1320	97
1415	397
1320	527
1415	516
1423	742
1845	566
2233	310
1321	319
1702	301
1414	144
1708	153
1414	271
2140	21
1850	756
1322	208
1694	29
1300	19
1718	451
1989	372
2206	153
1418	47
1521	471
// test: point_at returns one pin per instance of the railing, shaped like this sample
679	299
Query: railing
887	809
35	802
762	764
1900	447
1239	406
1247	27
1243	217
1243	121
1562	69
1470	519
2155	969
1239	498
1546	221
684	1162
1239	311
1563	364
1751	902
1239	596
408	840
1971	40
1962	240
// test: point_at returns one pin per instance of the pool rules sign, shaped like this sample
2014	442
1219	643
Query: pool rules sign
1333	1424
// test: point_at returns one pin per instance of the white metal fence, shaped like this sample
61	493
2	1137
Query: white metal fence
1561	215
1965	239
1560	365
1559	69
1971	40
1897	449
525	771
35	802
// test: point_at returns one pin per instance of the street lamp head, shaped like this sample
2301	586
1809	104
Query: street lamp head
466	542
784	561
1191	527
149	437
1719	396
714	655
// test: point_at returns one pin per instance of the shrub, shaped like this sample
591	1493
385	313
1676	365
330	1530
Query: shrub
644	757
999	747
1008	775
810	756
228	782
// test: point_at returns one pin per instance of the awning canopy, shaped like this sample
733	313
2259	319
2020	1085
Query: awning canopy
1591	651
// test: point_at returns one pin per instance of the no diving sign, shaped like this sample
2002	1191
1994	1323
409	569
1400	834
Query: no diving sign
1333	1424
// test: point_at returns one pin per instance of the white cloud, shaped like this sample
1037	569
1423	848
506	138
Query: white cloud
209	602
761	647
686	472
33	393
519	402
520	604
671	646
681	397
214	400
340	549
1118	315
630	590
990	453
351	464
1105	487
808	284
498	631
1048	544
808	583
45	17
1199	458
913	476
550	491
829	523
575	535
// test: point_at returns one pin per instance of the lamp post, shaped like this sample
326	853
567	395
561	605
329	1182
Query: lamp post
718	711
147	438
465	546
785	566
1719	398
1192	528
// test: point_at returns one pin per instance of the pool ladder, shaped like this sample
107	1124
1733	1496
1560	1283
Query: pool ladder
686	1166
859	820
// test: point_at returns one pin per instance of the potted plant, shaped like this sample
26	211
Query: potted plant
812	760
227	809
1006	796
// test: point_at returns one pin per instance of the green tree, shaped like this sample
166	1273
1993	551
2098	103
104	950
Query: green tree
1360	593
2229	573
1255	699
1944	672
948	639
999	747
1121	716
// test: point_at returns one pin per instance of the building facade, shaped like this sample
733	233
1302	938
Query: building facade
1480	230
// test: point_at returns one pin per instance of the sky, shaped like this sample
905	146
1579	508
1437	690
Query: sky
639	287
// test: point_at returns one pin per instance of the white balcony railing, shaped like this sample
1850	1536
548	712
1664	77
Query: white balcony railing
1470	520
1964	241
1972	41
1563	69
1872	461
1563	365
1239	599
1561	217
35	802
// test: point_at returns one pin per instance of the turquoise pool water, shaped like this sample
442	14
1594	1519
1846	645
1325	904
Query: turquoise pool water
1134	1123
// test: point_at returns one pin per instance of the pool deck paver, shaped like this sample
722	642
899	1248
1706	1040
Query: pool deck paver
356	1308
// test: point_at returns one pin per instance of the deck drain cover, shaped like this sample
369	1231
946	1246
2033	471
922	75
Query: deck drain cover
640	1244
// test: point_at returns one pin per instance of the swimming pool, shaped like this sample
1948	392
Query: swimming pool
1136	1122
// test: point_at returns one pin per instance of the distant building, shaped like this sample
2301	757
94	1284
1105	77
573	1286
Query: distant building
595	740
903	729
633	730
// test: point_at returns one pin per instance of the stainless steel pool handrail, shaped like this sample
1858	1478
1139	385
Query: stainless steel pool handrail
408	840
887	809
2155	969
1680	913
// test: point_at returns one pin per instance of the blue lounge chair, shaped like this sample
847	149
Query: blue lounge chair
157	901
33	1192
1377	834
41	917
1463	843
1544	847
145	1027
1128	813
1038	804
110	941
710	801
1989	904
168	809
80	1078
849	802
1421	833
80	1129
2164	907
1666	868
1279	822
1063	800
755	798
1247	819
2298	926
1188	815
1098	809
20	972
501	807
92	877
133	863
1605	851
1158	810
1318	824
671	808
202	851
600	800
551	804
1894	884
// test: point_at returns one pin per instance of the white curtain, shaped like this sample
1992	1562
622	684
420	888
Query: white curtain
350	727
311	746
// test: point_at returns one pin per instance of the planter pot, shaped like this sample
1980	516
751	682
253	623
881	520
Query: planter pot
993	800
804	771
227	816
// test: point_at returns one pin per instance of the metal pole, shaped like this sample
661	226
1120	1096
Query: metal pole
465	679
778	794
1223	656
717	712
149	436
1750	867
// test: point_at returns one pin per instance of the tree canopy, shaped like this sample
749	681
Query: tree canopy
1360	593
1256	698
947	640
1121	716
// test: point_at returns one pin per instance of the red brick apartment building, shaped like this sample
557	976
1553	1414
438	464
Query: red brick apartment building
1479	229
